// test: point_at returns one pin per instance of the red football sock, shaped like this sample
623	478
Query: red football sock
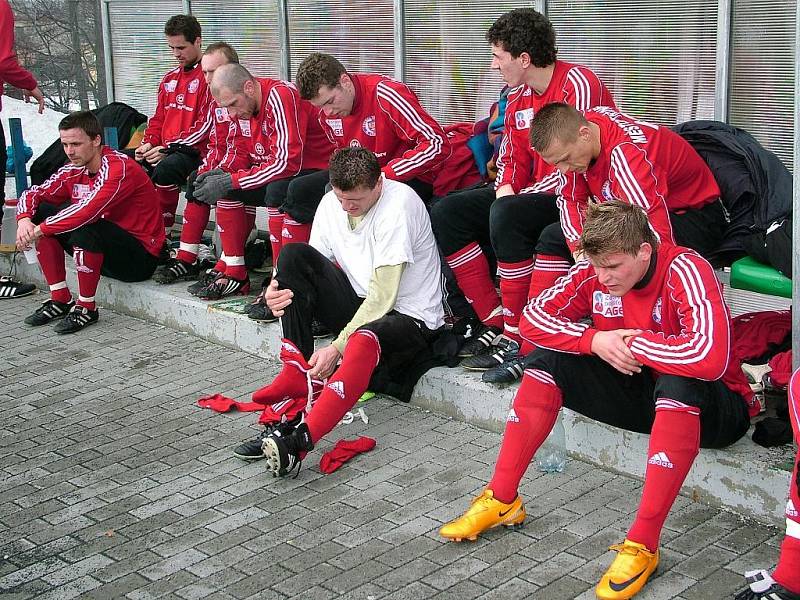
546	271
515	279
787	573
88	265
344	388
471	269
250	220
291	382
51	258
294	232
674	444
168	198
275	226
343	451
232	222
529	422
220	265
195	219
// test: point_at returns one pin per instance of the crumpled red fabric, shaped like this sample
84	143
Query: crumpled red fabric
220	403
343	451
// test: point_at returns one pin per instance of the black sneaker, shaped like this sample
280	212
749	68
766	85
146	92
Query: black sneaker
481	342
14	289
761	585
283	450
508	372
49	311
176	270
224	286
502	350
259	311
78	318
203	280
253	449
319	331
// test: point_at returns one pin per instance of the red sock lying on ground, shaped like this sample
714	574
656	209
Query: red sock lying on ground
674	444
530	420
221	404
343	451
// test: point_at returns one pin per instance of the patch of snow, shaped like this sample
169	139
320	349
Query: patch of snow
38	131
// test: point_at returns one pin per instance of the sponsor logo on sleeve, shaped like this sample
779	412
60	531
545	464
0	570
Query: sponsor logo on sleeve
355	144
259	148
170	85
244	125
336	126
369	125
179	98
606	305
605	191
523	118
193	85
264	128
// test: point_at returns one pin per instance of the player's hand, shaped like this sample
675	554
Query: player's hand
323	362
25	233
277	300
139	153
578	255
612	347
37	96
211	186
154	155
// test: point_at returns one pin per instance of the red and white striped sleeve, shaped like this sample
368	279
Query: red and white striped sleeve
56	190
702	348
551	320
152	133
573	196
108	185
636	180
514	159
584	90
286	143
199	132
411	122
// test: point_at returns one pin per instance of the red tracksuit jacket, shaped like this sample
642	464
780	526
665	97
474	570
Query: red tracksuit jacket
388	119
10	69
227	148
283	137
181	110
687	327
641	163
519	165
120	192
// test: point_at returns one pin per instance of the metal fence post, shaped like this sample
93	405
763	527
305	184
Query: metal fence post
796	200
283	34
723	70
399	40
108	53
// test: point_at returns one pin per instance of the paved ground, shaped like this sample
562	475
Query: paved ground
114	484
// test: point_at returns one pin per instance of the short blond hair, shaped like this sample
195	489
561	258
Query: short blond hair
615	226
555	121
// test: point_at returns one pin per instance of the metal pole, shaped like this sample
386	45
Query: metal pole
540	6
796	200
108	58
187	7
17	143
83	96
283	34
724	10
399	40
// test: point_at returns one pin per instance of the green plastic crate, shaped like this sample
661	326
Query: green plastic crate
749	274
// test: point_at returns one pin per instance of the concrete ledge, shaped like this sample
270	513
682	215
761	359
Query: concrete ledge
746	478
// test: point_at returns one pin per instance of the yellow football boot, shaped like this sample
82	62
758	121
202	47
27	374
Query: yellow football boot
484	513
628	573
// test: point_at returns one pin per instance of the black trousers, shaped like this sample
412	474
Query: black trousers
124	257
322	291
173	169
595	389
701	230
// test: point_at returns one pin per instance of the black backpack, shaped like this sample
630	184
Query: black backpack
125	118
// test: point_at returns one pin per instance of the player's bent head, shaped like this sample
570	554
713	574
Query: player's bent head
351	168
615	227
83	120
185	25
555	122
316	71
232	77
223	48
525	30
